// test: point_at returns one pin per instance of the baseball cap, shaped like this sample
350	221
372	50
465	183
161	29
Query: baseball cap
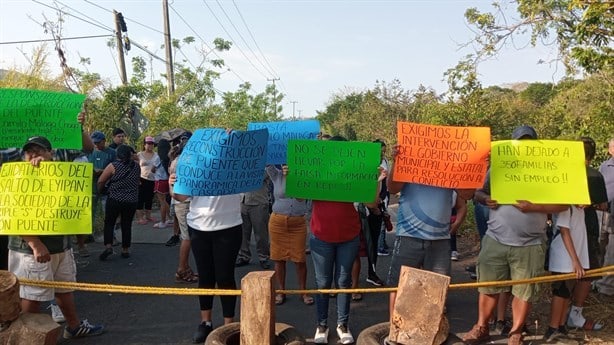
150	140
97	136
38	141
524	131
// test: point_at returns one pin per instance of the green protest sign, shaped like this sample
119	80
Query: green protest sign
333	170
27	113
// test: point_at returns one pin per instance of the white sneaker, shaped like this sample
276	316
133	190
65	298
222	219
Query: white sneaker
321	336
56	313
345	337
160	225
170	222
454	256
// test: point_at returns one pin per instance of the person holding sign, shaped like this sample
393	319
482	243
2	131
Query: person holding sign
334	243
47	258
214	223
287	229
423	226
511	249
122	178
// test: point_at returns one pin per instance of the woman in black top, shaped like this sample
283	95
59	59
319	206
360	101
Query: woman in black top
122	180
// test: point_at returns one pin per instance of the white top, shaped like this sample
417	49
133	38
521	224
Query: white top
560	261
212	213
160	174
147	165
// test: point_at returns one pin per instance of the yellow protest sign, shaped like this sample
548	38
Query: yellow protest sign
540	171
54	198
442	156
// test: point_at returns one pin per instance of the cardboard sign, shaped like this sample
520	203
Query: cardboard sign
52	199
215	162
333	170
540	171
281	132
442	156
27	113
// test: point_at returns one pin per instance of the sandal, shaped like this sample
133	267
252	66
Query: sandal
308	300
185	276
280	299
356	297
142	221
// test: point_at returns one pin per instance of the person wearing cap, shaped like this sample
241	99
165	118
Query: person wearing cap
512	248
14	154
47	258
148	159
119	138
100	158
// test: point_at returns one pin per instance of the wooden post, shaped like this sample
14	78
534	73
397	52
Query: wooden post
10	303
418	311
258	309
26	328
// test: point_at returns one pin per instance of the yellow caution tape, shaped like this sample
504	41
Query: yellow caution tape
152	290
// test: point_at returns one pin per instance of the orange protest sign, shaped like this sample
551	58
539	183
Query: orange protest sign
442	156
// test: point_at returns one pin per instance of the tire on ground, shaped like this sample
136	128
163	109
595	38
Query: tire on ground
230	335
376	334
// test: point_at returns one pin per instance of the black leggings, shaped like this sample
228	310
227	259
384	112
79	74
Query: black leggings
146	194
215	253
116	208
375	225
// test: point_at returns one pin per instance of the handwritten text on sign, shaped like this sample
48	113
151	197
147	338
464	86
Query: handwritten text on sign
27	113
333	170
214	162
442	156
541	171
281	132
52	199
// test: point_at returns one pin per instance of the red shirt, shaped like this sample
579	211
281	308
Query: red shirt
334	222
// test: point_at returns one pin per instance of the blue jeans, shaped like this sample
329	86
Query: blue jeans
328	259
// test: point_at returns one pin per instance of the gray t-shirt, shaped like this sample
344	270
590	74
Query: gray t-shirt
509	226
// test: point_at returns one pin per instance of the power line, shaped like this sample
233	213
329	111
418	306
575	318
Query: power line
51	39
129	19
230	36
83	14
243	39
72	15
204	42
254	39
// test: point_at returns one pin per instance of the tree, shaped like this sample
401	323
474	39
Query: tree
582	30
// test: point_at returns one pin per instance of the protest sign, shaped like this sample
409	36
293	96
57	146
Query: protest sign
215	162
442	156
540	171
27	113
281	132
54	198
333	170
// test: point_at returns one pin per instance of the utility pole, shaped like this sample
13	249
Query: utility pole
274	95
170	74
120	26
293	107
300	114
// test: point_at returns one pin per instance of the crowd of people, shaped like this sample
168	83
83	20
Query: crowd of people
218	231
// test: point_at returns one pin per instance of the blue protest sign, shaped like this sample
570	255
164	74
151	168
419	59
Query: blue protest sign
215	162
281	132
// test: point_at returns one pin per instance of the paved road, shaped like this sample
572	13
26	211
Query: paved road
163	319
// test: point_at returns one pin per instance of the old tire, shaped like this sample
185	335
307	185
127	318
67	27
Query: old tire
231	335
376	334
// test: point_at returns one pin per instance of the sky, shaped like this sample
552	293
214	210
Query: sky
315	48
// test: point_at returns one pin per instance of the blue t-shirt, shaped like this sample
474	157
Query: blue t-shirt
424	212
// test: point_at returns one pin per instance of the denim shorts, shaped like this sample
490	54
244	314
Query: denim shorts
430	255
